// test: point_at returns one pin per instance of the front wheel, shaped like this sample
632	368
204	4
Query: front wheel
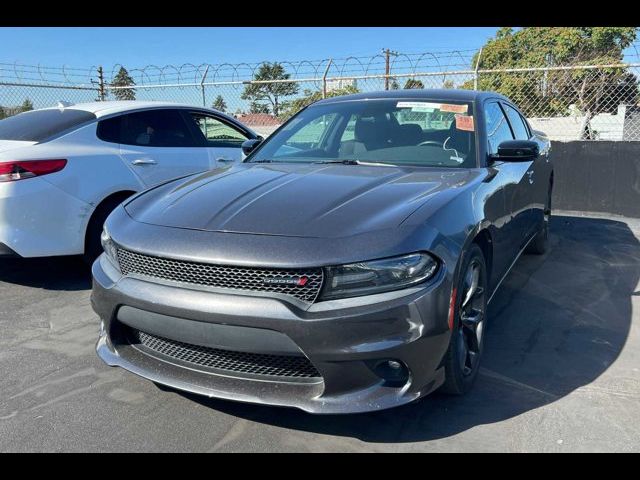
462	360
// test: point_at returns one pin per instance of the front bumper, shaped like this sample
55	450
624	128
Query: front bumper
343	339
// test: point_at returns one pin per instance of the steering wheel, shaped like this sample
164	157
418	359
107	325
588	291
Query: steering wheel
431	142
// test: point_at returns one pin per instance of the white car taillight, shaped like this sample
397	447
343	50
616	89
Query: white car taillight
22	169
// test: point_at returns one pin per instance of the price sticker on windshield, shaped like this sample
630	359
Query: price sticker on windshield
464	122
449	107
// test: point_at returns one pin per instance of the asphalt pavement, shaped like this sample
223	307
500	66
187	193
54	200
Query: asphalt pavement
561	370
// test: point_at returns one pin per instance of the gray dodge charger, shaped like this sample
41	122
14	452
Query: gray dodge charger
345	266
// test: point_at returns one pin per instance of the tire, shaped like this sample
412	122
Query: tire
540	244
461	368
92	245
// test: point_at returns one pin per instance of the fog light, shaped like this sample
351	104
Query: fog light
393	372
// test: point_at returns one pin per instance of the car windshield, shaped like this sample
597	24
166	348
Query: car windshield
430	133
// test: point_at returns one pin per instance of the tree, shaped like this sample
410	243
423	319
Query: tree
26	106
266	97
552	92
448	84
123	79
219	104
311	96
412	83
257	107
393	84
3	113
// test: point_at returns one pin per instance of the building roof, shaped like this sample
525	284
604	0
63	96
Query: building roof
259	119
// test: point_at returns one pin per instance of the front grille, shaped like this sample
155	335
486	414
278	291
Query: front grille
238	278
288	366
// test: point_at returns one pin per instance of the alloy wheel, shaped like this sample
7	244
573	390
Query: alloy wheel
471	318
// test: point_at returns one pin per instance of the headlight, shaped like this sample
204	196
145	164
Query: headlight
109	248
366	278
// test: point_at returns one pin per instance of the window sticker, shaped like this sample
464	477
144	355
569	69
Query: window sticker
419	106
447	107
464	122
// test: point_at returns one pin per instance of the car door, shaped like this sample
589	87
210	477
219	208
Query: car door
534	190
221	138
159	145
513	176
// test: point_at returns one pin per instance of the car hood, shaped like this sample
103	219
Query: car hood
296	200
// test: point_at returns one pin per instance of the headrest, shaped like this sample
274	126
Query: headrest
370	130
411	133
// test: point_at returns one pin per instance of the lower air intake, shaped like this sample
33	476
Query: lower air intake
287	366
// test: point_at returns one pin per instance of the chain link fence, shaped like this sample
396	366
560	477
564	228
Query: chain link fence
567	102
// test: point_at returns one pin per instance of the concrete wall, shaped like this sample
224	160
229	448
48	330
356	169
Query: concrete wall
597	177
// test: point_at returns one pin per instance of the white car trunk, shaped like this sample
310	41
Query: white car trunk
7	145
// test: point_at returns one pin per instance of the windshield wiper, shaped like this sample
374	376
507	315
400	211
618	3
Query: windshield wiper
355	162
343	162
264	160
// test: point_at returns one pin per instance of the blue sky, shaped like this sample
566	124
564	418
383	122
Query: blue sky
136	47
88	47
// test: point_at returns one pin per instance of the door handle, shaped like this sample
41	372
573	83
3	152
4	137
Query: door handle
144	161
225	160
530	173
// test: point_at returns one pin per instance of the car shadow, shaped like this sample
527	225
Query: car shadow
558	322
52	273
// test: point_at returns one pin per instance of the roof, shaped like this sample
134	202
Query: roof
259	119
450	94
101	109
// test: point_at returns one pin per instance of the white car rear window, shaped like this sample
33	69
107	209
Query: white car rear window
41	125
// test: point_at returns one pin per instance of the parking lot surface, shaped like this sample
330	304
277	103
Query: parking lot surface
561	370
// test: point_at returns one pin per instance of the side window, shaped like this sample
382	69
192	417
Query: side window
519	128
217	133
152	128
349	131
308	137
497	127
109	129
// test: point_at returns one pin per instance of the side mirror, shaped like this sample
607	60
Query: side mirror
517	151
250	145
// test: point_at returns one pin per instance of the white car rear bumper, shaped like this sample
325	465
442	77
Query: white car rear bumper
37	219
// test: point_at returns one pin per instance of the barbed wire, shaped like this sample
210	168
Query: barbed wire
189	73
577	99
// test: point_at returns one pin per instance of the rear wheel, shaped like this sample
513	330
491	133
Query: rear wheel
540	244
462	360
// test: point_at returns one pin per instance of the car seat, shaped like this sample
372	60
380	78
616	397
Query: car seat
370	133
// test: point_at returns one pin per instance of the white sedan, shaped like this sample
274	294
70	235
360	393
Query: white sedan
64	169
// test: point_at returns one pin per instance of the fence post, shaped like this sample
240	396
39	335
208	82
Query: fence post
475	76
324	79
101	91
204	76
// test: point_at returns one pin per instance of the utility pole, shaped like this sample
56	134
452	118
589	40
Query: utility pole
101	92
204	100
387	66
